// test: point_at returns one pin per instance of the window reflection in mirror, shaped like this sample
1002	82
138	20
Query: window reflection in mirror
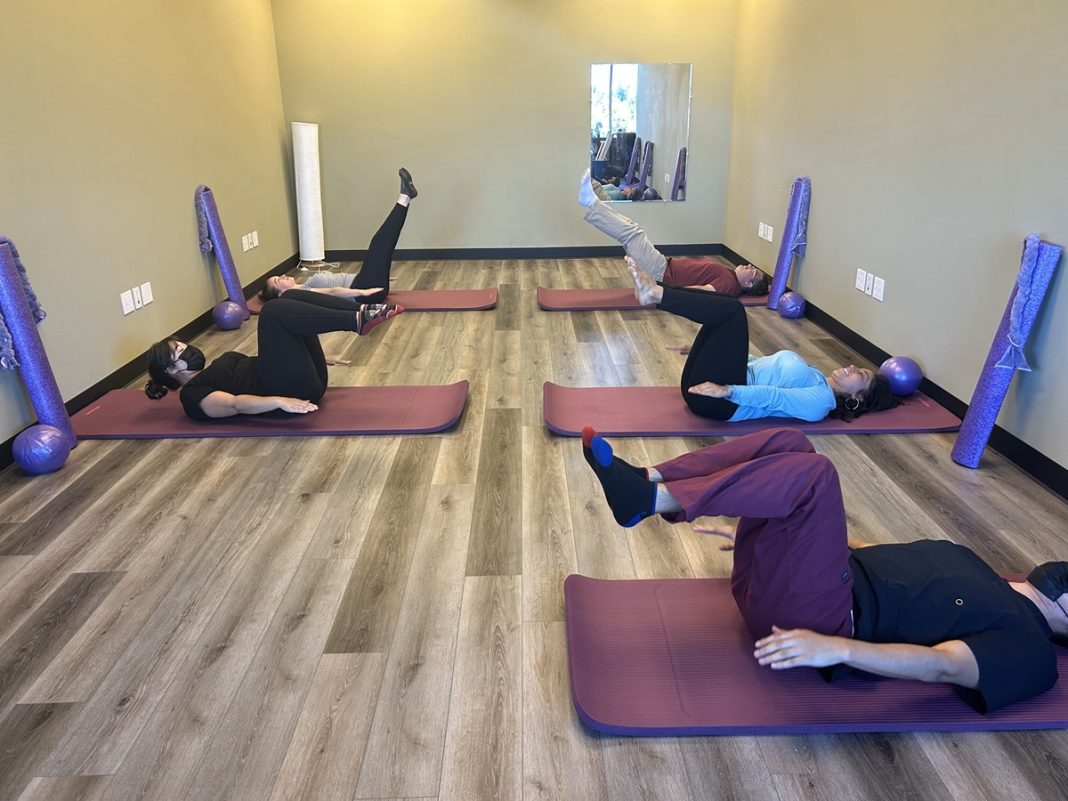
639	125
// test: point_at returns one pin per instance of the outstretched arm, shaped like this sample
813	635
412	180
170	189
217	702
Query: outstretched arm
951	661
224	404
346	292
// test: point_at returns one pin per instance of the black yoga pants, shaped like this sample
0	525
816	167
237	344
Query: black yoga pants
720	351
379	259
291	361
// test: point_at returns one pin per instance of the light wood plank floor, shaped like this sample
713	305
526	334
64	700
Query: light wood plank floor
381	617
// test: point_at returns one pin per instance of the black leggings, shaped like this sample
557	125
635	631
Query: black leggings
379	258
720	351
291	361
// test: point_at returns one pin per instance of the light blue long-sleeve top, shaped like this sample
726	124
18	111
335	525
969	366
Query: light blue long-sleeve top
782	385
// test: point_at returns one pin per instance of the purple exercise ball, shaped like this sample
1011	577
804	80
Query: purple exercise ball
41	449
903	374
228	315
792	305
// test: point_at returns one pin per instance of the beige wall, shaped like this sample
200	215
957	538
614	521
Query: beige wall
934	137
487	103
114	112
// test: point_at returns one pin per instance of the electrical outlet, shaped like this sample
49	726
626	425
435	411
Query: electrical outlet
667	178
255	239
136	292
126	298
245	243
862	276
771	233
146	292
878	287
868	283
760	231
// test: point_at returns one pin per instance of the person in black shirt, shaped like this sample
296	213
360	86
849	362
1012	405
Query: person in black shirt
289	374
927	610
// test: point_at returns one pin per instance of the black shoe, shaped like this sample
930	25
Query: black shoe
407	187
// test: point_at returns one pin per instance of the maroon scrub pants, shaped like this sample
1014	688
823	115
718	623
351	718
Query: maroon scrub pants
791	560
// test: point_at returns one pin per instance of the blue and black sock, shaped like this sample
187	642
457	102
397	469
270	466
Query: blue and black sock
630	494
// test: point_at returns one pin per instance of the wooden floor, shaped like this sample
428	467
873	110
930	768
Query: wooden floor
381	618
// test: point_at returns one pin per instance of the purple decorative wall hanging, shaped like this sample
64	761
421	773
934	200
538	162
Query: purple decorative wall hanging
1006	356
20	315
213	237
794	237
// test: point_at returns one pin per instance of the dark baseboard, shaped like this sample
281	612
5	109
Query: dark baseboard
1036	464
135	367
474	254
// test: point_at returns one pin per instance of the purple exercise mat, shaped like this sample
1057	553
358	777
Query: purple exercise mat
607	299
343	411
673	658
660	412
427	300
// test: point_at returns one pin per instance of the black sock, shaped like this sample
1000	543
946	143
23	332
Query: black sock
630	495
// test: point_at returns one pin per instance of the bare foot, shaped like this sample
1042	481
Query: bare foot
726	532
337	360
646	290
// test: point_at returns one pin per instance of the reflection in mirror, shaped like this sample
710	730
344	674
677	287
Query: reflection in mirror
639	124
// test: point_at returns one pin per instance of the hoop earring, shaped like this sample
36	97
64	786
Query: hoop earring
856	403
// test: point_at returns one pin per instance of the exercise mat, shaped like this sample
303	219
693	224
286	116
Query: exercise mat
343	411
660	412
608	300
655	658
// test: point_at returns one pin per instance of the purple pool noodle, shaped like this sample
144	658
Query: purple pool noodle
36	372
679	184
647	168
208	216
633	164
1037	266
794	237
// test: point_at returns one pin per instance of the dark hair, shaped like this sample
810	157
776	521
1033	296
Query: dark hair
267	293
160	357
875	398
760	285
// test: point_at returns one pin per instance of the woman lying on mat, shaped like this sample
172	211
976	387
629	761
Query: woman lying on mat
928	610
706	274
289	374
721	381
371	283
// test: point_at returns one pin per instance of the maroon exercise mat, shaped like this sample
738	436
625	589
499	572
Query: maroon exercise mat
608	299
426	300
660	412
673	658
343	411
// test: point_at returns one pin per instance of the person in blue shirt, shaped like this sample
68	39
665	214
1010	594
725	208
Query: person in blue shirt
722	381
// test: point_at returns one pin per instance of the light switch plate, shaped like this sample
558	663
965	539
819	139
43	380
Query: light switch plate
862	276
136	292
126	298
146	292
868	282
878	287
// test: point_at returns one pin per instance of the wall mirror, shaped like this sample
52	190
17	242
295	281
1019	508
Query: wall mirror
639	126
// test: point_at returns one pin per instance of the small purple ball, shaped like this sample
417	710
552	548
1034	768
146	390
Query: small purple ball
41	449
228	315
903	374
792	305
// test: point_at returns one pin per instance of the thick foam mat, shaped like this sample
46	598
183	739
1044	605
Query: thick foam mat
660	412
343	411
607	300
427	300
670	658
